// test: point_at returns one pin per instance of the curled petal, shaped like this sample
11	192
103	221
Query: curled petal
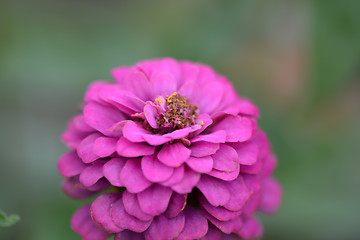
112	170
196	225
174	155
176	205
214	190
201	164
126	148
104	146
132	177
90	175
85	149
132	206
154	170
82	223
154	200
100	211
165	228
225	159
125	221
70	164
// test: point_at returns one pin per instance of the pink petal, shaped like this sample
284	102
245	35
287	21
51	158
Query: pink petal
211	95
129	235
268	165
205	121
126	148
176	177
132	178
190	90
225	159
214	190
154	170
271	195
85	149
90	175
92	93
238	129
100	211
196	225
187	184
120	73
253	169
151	114
174	155
214	137
102	117
212	234
122	99
112	170
125	221
239	194
228	227
219	213
82	223
253	204
132	206
155	199
104	146
176	205
248	152
70	164
138	83
163	83
252	228
226	176
133	132
74	189
202	149
201	164
165	228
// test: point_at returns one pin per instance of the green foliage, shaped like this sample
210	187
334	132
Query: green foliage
7	221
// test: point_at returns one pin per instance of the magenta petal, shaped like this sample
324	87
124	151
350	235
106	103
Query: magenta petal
252	228
132	206
165	228
214	137
204	120
85	149
228	227
92	93
100	211
126	148
82	223
119	73
155	199
132	178
187	184
225	159
125	221
196	225
219	213
163	83
271	195
202	149
138	83
151	114
248	152
226	176
133	132
90	175
112	170
102	117
214	190
176	177
129	235
176	205
104	146
253	204
177	134
74	189
211	95
239	194
174	155
201	164
70	164
212	234
154	170
238	129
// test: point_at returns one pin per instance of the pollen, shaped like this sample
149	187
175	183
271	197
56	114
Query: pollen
179	112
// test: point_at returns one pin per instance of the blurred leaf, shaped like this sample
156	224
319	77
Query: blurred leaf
7	221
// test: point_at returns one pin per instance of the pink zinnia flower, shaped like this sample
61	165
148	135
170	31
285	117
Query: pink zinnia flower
173	151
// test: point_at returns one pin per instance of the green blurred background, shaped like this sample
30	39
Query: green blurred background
298	60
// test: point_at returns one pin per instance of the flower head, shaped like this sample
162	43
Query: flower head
173	152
